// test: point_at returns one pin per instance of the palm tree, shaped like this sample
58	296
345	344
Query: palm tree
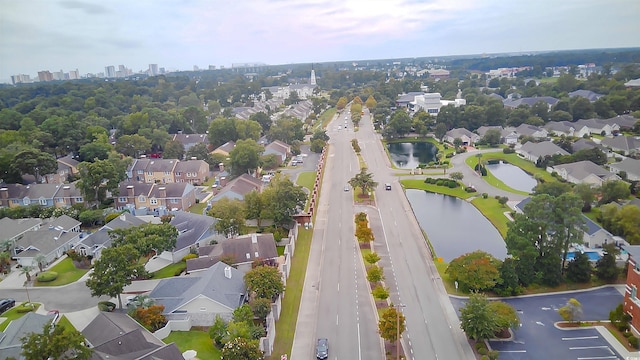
26	270
479	156
363	180
6	244
41	260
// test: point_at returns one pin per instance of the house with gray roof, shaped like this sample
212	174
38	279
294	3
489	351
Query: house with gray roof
238	188
587	144
190	140
628	145
217	291
10	344
629	166
13	229
244	250
533	151
280	149
52	240
514	102
194	230
152	198
114	335
467	137
596	126
93	244
583	172
532	131
625	122
587	94
559	128
12	195
507	135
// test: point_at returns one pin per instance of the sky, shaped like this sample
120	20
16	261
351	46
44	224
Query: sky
88	35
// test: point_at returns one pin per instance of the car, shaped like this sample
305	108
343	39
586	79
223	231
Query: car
6	304
387	186
322	348
346	188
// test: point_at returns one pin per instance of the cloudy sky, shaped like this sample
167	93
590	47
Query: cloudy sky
177	34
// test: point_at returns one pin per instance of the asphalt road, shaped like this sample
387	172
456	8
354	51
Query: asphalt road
433	330
70	298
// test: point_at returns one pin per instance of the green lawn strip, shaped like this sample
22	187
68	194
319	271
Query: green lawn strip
67	274
421	185
194	340
593	214
441	266
523	164
307	179
280	250
65	323
169	270
198	208
492	180
13	314
325	118
494	212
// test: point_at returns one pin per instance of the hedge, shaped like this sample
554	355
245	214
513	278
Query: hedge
107	306
47	276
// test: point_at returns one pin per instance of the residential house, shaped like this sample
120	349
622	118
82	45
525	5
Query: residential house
30	323
624	122
190	140
515	101
468	138
583	172
507	135
13	195
225	148
597	126
160	171
93	244
217	291
194	231
439	74
632	83
278	148
191	171
628	145
137	170
242	251
114	335
586	144
587	94
630	166
68	195
52	240
559	128
300	111
238	188
14	229
67	166
631	303
533	151
532	131
145	198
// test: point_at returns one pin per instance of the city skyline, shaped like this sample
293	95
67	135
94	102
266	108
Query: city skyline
37	35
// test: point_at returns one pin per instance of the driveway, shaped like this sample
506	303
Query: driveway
538	338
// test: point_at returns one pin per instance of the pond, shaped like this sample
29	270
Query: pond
409	155
455	227
512	176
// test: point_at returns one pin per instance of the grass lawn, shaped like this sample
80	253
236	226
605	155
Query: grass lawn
169	270
492	180
421	185
198	208
67	273
523	164
194	340
325	118
448	284
65	323
280	250
14	314
306	179
494	212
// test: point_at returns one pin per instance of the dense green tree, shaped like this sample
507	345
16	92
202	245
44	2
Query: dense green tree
55	343
200	152
34	162
627	220
613	190
606	268
264	282
147	238
579	269
230	214
440	131
263	119
114	270
506	315
254	206
261	307
388	324
586	194
552	188
581	108
243	313
492	137
474	271
364	181
245	157
477	318
248	129
286	129
282	199
173	150
98	177
218	331
95	150
196	118
222	130
242	349
133	145
508	282
572	311
399	125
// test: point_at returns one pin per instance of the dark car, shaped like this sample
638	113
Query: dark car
322	349
6	304
387	186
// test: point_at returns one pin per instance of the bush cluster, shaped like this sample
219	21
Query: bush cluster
508	150
470	189
356	146
452	184
47	276
107	306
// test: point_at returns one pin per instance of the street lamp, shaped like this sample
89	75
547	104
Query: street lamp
398	306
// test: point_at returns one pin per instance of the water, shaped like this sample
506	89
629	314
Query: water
409	155
513	176
593	255
454	226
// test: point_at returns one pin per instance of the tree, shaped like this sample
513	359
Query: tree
34	162
456	175
492	137
95	150
55	342
552	188
440	131
371	102
375	274
506	315
5	261
218	331
364	234
508	282
264	282
230	215
474	271
287	129
96	178
41	260
627	219
261	307
579	269
572	311
613	190
115	269
399	124
586	194
133	145
364	181
243	313
200	152
317	145
388	324
606	268
26	270
380	292
147	238
245	156
222	130
342	103
282	199
477	318
263	119
242	349
248	129
173	150
150	317
371	257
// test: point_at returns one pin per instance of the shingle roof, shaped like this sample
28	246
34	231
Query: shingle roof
161	165
191	228
124	220
564	126
226	147
187	139
527	129
585	144
459	132
529	101
626	143
630	166
587	94
213	284
243	249
582	169
624	121
10	344
543	149
190	166
10	228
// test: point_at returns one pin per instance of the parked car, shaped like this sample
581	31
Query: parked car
6	304
322	349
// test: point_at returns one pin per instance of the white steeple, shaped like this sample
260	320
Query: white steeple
312	80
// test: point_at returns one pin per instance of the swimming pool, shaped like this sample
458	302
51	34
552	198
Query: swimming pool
593	255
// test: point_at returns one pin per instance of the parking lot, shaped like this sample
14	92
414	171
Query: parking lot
538	338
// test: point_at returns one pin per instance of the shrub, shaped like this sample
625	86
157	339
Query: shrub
445	162
107	306
480	345
439	182
633	341
508	150
189	256
485	195
483	351
110	217
380	292
452	184
25	308
449	155
47	276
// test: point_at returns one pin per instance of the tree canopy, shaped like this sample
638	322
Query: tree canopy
264	282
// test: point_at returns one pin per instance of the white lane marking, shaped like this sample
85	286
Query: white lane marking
359	345
513	351
580	338
600	357
337	322
589	347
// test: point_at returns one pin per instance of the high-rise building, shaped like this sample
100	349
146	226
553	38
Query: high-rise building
58	75
110	71
45	75
20	79
153	69
74	74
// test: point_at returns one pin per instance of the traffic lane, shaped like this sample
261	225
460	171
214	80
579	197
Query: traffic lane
69	298
538	338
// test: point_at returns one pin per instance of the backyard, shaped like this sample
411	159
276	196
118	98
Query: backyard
194	340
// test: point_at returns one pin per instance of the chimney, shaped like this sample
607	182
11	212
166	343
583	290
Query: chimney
4	193
254	238
227	272
130	191
162	192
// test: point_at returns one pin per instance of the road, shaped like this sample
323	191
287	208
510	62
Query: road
433	330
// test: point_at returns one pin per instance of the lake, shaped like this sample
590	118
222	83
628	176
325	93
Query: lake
408	155
455	227
512	176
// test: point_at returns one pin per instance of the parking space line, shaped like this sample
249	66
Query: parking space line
590	347
598	357
581	338
513	351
